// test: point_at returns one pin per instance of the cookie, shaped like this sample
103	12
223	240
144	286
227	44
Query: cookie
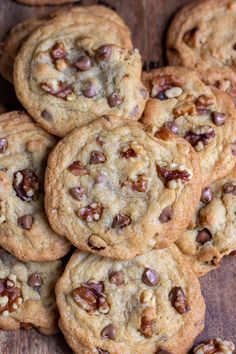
22	30
114	189
73	70
27	294
201	36
150	304
24	228
204	116
218	345
213	231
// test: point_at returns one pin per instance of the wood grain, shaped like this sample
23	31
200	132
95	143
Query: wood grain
148	20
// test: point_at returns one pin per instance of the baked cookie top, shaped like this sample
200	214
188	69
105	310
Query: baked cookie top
21	31
143	305
213	231
204	116
216	345
73	70
24	228
27	294
114	189
202	36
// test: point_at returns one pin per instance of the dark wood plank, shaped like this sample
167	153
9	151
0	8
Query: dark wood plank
148	20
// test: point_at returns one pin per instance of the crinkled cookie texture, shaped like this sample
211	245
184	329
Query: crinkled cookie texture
218	346
205	117
213	231
114	189
201	36
20	32
27	294
73	69
148	304
24	229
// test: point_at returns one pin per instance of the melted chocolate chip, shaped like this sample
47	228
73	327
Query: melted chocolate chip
166	215
120	221
46	115
128	153
25	222
203	236
3	144
77	193
218	118
58	51
35	280
101	351
178	300
83	63
89	91
114	100
194	138
172	175
229	188
109	332
116	277
97	157
150	277
206	196
104	53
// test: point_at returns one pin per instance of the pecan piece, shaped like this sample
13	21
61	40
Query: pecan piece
58	51
147	322
10	296
168	176
77	168
120	221
116	277
63	90
203	135
26	185
91	212
140	185
128	153
178	300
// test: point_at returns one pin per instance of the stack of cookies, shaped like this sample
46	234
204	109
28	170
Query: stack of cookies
135	170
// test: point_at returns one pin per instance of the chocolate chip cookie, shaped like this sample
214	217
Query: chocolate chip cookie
24	228
150	304
204	116
20	32
218	345
116	190
27	294
73	70
212	234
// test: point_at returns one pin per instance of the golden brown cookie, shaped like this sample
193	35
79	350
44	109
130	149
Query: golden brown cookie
24	229
22	30
149	304
212	234
217	345
73	70
27	294
114	189
204	116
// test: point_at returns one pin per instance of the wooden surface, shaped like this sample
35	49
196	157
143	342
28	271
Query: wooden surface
148	20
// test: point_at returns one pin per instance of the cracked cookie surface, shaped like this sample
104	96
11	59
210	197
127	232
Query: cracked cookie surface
114	189
27	296
148	304
205	117
76	68
213	234
24	228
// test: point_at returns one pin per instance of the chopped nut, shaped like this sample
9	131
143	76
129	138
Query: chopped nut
174	92
120	221
26	185
178	300
116	277
91	212
77	168
128	153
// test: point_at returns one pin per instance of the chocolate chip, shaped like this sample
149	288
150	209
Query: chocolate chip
150	277
58	51
194	138
89	91
234	46
206	196
162	351
114	100
171	126
97	157
46	115
134	111
101	351
3	144
218	118
116	277
229	188
128	153
25	222
104	53
143	92
166	215
120	221
233	148
109	332
26	185
233	253
172	175
35	281
203	236
77	168
178	300
83	63
77	193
